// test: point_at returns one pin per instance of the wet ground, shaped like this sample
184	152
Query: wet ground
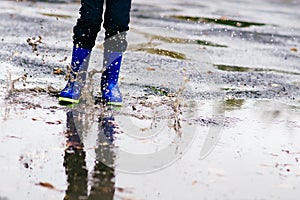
211	94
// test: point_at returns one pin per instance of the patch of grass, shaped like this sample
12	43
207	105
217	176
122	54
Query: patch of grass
232	68
185	41
222	21
158	90
56	15
231	104
164	52
206	43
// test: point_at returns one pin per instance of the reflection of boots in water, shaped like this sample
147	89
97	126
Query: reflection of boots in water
102	182
106	137
108	128
77	175
74	161
73	138
104	172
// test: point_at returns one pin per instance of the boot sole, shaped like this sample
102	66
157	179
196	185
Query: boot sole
119	104
67	100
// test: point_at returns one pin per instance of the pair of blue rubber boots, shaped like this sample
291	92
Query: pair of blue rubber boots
110	92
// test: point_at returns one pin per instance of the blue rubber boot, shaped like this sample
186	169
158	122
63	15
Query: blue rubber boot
109	81
77	77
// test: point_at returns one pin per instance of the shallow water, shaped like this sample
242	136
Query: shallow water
211	94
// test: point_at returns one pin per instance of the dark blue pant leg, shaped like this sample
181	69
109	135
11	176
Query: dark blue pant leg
89	24
116	17
116	23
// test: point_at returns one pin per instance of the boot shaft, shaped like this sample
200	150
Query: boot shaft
76	75
112	64
79	64
80	57
109	80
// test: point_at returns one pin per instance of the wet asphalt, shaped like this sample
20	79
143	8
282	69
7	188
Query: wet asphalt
241	60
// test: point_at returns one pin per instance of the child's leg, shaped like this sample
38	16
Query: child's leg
89	24
85	33
116	17
116	20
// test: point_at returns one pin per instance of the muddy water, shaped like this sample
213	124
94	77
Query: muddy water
211	94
